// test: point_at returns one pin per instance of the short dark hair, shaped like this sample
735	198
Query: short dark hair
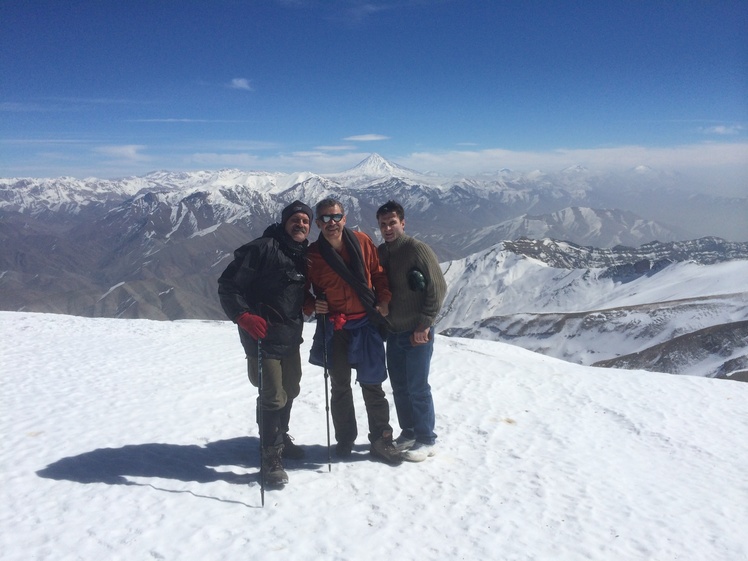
324	203
392	206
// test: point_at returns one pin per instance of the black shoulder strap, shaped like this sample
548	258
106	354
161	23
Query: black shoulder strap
355	278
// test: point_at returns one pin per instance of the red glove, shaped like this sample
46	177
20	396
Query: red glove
254	325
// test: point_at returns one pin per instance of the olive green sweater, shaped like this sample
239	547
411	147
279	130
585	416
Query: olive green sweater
411	310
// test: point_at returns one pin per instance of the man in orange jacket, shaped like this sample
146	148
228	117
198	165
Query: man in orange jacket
352	294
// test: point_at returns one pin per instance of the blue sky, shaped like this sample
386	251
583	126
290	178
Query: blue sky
111	88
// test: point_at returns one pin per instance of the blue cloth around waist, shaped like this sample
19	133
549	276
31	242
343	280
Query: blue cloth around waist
365	350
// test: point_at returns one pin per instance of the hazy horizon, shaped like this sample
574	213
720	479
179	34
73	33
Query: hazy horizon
111	90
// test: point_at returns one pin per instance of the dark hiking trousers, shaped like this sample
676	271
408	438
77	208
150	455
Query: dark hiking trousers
341	401
281	379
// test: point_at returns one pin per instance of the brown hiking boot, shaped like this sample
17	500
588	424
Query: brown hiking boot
272	466
383	449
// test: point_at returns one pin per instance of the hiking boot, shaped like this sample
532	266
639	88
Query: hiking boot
272	466
291	451
406	440
419	452
383	448
343	449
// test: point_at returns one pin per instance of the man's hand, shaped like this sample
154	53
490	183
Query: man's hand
383	308
252	324
321	307
420	337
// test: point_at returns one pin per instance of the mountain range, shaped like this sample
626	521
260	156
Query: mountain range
153	246
669	307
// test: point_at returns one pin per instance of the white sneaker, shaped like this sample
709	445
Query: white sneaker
419	452
405	441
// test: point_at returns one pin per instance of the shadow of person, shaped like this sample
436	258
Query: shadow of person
166	461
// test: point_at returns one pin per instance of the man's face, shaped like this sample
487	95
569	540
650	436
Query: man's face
298	226
391	226
331	230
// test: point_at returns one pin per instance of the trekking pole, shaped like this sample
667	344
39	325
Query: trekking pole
260	420
327	398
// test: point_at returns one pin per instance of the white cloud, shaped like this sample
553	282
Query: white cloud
242	160
335	148
181	120
241	84
130	152
723	130
41	141
366	137
622	157
231	146
360	11
708	166
21	107
712	164
168	120
313	161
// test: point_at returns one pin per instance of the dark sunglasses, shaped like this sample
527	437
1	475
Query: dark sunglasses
327	217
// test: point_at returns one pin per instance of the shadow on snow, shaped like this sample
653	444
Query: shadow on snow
174	461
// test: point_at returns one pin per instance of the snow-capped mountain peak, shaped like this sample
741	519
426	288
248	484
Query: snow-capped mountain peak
578	168
375	168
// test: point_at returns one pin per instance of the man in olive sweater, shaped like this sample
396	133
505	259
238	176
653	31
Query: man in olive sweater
418	290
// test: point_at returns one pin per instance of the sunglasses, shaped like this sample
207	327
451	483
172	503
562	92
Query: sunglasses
327	217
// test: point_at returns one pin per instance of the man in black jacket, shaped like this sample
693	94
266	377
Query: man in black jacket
262	291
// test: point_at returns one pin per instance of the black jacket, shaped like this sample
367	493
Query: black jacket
267	278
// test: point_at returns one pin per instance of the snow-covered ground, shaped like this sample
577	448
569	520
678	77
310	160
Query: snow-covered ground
135	439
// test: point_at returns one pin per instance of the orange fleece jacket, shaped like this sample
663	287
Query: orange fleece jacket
341	298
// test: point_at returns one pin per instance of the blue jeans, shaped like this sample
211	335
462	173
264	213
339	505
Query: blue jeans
409	375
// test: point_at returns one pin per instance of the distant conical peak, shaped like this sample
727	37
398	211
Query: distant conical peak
376	165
